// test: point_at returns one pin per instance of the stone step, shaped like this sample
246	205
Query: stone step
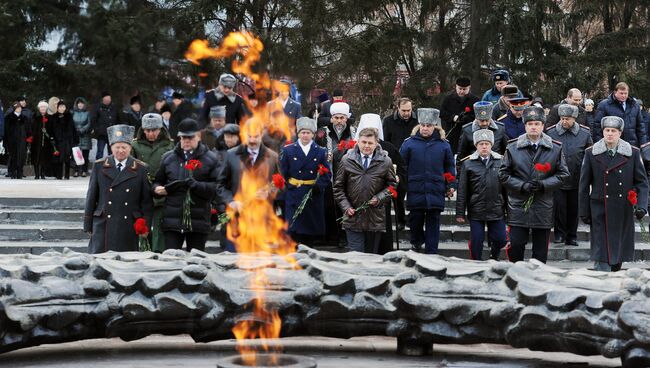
39	216
42	203
448	249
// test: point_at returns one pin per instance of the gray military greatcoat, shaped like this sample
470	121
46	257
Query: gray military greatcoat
115	199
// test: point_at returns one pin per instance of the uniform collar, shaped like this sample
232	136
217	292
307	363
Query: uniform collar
545	141
575	129
624	148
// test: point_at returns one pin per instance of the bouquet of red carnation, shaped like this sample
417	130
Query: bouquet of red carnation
390	190
540	169
346	145
449	180
322	170
190	166
632	198
142	231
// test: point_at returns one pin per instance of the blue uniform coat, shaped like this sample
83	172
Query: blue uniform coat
294	164
426	161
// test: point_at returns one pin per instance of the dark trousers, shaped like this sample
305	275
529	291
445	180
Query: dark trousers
425	229
175	240
496	238
16	162
400	211
565	206
102	142
519	238
364	241
62	169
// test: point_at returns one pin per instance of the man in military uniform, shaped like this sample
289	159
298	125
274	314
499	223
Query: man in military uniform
483	111
224	95
575	140
299	162
524	183
152	142
612	168
513	122
118	194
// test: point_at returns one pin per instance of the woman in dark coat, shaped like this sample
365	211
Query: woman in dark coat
17	133
43	141
65	136
81	119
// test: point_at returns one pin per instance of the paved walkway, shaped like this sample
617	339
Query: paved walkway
48	188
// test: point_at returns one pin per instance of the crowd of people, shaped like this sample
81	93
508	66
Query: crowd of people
519	169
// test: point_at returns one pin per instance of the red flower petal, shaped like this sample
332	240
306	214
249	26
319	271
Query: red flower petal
278	181
322	170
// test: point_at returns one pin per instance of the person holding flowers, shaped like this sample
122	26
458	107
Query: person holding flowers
613	194
118	201
252	155
365	183
187	179
307	173
533	168
428	157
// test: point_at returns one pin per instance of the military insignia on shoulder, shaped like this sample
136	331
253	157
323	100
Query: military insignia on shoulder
512	140
549	128
645	144
585	127
502	117
557	142
464	158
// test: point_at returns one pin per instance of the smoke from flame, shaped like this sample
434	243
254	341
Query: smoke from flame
256	230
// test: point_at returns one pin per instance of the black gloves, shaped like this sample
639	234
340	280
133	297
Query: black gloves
639	213
175	186
537	186
527	188
586	220
191	182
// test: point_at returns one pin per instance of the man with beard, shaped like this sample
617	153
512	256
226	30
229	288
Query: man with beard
456	111
224	95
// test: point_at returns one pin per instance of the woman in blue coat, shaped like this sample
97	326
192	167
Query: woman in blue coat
428	156
299	162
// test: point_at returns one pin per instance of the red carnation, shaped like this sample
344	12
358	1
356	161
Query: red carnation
29	139
141	227
393	192
351	143
449	178
45	119
467	109
543	168
320	134
342	145
322	170
56	153
631	197
278	181
213	211
193	165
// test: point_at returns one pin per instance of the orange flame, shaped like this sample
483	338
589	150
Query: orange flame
256	230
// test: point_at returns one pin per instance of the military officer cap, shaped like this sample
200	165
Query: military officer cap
227	80
533	113
519	103
188	127
218	111
612	122
500	75
120	133
567	110
428	116
152	121
483	110
483	135
306	123
231	129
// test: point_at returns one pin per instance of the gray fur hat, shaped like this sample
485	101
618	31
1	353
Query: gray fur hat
567	110
121	133
534	113
306	123
231	129
227	80
483	110
483	135
152	121
429	116
612	122
218	111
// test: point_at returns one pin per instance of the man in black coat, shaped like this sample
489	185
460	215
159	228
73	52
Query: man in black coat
118	194
482	195
456	111
17	133
533	168
133	114
182	109
174	180
612	168
324	115
575	140
396	128
224	95
104	116
253	157
574	98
